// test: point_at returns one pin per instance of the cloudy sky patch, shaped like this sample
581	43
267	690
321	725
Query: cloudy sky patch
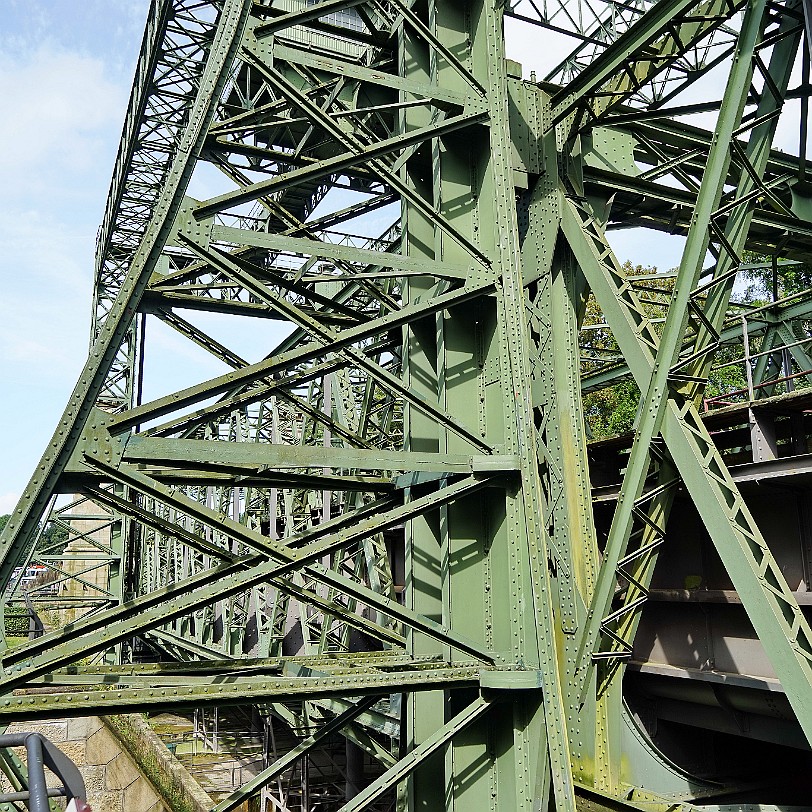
65	74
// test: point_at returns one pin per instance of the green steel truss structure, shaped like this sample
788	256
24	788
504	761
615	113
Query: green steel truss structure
386	522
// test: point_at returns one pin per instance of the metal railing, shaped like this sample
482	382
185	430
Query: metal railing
42	753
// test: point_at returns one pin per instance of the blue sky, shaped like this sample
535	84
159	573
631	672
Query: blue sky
66	68
65	73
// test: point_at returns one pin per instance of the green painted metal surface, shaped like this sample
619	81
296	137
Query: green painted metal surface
393	498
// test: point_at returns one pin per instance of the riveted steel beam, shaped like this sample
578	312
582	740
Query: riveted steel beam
59	705
772	608
41	487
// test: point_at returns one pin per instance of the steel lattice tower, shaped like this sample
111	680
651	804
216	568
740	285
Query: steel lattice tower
390	523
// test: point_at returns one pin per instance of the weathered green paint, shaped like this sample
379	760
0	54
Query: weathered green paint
430	380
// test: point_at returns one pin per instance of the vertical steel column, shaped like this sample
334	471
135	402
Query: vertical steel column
481	566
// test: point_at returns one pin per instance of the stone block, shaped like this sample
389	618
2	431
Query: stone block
74	750
83	728
140	796
121	772
107	802
101	747
55	731
94	780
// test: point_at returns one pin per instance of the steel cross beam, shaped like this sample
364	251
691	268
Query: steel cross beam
400	770
419	425
772	607
264	777
650	45
191	695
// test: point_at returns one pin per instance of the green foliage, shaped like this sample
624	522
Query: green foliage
785	280
54	537
611	411
726	379
16	621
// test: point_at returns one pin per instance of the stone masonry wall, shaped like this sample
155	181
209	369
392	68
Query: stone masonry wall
112	779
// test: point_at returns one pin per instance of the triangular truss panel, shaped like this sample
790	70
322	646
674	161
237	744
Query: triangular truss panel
380	515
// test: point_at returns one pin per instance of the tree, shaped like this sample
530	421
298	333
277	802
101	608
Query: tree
54	536
768	280
612	411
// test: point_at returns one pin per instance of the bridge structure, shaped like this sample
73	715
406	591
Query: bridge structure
389	523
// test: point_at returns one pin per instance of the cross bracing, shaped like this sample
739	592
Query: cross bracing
389	510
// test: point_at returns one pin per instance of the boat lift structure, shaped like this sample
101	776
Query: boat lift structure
388	523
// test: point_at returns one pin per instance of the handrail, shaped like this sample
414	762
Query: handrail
42	753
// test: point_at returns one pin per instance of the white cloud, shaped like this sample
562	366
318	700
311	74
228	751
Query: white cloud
8	502
62	114
535	48
45	307
59	107
57	143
